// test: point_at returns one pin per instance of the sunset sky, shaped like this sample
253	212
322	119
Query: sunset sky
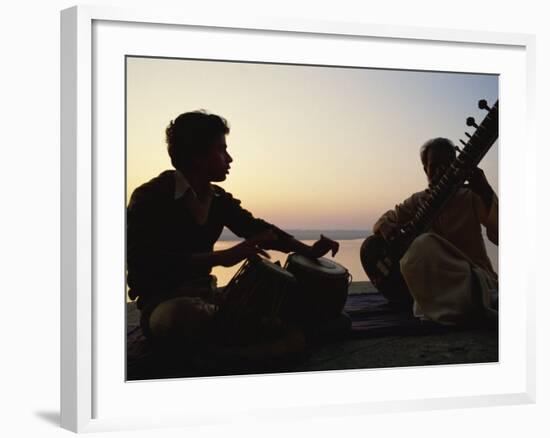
313	147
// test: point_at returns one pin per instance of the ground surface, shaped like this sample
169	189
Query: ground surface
360	352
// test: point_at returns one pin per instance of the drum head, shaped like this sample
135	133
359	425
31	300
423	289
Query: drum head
275	268
321	265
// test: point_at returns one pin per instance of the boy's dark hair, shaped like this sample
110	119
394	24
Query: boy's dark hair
191	134
437	143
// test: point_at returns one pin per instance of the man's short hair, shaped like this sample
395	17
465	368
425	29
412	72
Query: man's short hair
191	134
437	143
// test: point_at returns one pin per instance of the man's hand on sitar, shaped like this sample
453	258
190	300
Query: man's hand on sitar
477	183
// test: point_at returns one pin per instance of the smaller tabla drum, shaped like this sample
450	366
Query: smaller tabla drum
320	291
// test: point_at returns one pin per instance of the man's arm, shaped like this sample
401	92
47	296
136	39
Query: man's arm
399	216
485	203
488	217
477	183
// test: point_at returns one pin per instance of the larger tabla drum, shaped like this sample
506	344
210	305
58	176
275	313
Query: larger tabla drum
257	293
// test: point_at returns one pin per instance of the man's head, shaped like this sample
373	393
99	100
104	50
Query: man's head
437	154
196	142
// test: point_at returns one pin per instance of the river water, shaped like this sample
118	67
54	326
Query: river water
348	256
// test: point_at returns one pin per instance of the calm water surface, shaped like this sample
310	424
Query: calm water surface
348	255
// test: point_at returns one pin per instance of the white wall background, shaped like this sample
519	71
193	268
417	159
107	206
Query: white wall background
29	223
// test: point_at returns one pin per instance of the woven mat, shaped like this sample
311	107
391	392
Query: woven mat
365	316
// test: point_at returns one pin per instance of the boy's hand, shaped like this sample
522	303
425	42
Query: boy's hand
240	252
323	246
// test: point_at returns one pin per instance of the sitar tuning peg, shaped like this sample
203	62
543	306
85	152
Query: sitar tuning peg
470	121
482	104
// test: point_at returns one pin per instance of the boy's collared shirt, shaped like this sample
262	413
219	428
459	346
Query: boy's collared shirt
199	208
167	223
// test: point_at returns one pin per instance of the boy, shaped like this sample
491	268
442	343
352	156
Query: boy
173	222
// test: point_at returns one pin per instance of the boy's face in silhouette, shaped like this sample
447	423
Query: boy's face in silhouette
437	161
215	164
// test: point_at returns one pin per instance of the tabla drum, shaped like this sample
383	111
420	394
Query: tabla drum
320	291
257	290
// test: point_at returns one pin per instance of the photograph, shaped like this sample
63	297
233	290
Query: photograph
289	218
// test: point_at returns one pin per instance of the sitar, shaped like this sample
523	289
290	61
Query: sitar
380	256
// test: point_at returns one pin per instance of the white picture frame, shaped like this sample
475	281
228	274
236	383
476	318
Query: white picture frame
92	392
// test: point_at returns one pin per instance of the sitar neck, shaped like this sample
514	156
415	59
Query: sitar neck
453	178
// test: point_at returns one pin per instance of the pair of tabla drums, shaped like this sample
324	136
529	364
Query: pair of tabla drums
304	291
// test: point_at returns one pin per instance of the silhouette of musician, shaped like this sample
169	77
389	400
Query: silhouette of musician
173	222
446	270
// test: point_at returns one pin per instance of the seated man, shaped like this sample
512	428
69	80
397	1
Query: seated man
447	270
173	222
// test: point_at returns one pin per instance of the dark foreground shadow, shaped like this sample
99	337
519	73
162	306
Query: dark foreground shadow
54	418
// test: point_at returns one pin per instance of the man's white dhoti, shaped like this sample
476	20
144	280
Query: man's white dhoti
446	285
